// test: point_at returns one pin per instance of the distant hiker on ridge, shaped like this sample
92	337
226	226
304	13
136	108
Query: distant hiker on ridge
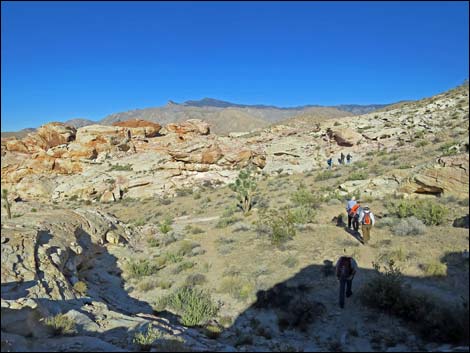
330	162
341	160
346	268
348	158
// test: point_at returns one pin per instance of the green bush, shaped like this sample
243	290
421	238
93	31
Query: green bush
303	197
195	279
304	214
430	212
165	226
325	175
236	287
121	168
408	226
60	324
193	305
142	268
81	287
279	225
435	269
358	175
145	339
186	247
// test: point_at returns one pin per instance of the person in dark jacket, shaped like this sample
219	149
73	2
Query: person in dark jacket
346	269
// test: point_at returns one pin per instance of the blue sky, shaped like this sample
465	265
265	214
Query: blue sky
63	60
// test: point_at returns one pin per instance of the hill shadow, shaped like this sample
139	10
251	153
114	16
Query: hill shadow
104	286
301	303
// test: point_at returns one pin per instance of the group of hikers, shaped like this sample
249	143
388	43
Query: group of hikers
341	159
346	266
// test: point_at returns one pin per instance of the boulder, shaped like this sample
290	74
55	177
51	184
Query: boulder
140	128
191	126
55	134
344	137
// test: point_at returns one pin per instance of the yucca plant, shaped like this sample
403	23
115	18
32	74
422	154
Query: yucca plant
245	187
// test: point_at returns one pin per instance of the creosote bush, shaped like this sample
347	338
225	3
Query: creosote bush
409	226
81	287
279	225
195	306
60	324
142	268
430	212
145	339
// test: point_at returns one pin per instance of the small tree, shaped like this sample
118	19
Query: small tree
245	186
7	203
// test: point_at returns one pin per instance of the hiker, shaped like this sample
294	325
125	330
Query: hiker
348	158
354	213
350	205
346	268
341	158
367	220
330	162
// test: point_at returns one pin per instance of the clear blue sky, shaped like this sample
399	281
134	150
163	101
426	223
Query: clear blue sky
63	60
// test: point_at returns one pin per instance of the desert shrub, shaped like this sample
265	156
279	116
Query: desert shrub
303	197
435	321
395	255
193	305
245	186
291	261
173	258
236	287
358	175
186	248
145	339
213	331
430	212
325	175
165	226
184	191
195	279
80	287
153	242
435	269
183	266
279	225
224	222
450	148
118	167
409	226
60	325
421	143
142	268
193	229
303	214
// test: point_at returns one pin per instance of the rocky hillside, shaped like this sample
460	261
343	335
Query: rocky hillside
127	237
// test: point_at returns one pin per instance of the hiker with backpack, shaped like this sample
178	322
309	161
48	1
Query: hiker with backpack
346	268
350	205
367	219
341	160
348	158
353	214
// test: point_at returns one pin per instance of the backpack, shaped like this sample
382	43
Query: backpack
344	267
353	210
366	219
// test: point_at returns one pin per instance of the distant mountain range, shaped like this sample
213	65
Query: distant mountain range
223	116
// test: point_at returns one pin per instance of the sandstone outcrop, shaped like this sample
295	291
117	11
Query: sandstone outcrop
140	128
448	176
